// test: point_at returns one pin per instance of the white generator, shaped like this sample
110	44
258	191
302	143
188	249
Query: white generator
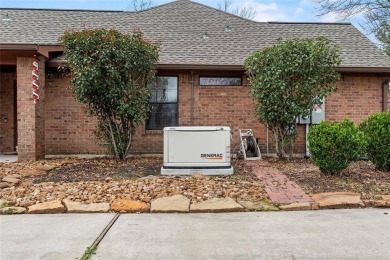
197	150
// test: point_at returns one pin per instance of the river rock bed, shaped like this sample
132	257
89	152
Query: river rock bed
104	180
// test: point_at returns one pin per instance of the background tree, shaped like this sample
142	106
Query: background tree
109	72
245	12
287	80
224	5
139	5
376	14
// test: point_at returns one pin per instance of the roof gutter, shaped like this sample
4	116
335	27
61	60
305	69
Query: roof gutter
241	67
199	67
18	47
364	69
42	49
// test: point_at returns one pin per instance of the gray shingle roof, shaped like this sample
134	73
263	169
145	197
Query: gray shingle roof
180	26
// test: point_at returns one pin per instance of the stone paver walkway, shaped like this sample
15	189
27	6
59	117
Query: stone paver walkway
279	188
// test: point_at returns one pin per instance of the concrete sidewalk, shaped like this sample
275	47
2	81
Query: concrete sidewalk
60	236
326	234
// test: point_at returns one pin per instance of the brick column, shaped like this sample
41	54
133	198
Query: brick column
31	117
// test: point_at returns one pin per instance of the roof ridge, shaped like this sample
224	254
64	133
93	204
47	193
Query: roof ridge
223	12
338	23
73	10
161	5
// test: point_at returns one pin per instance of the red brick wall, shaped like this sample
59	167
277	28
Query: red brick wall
222	106
227	106
7	115
69	131
357	97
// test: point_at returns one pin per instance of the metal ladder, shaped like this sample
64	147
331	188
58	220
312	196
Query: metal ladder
249	149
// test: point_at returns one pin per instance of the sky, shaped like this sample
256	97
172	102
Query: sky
266	10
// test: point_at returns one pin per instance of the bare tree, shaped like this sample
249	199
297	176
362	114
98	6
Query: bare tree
245	12
376	15
224	5
139	5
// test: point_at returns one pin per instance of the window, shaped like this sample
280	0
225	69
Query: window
220	81
163	103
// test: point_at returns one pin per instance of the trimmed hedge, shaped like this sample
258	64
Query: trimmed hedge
376	130
334	145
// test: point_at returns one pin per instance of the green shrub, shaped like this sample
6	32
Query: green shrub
376	130
334	145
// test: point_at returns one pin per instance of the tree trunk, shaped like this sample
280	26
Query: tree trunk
279	144
113	142
128	142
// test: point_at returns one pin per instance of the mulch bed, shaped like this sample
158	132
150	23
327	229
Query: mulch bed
102	169
360	176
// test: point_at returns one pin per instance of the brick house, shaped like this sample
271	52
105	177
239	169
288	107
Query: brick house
200	69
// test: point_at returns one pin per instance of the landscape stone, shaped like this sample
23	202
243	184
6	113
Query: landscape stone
129	205
296	206
198	176
13	210
11	179
264	205
4	185
314	206
31	172
149	177
201	188
386	198
217	205
50	207
382	202
338	200
6	203
176	203
78	207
